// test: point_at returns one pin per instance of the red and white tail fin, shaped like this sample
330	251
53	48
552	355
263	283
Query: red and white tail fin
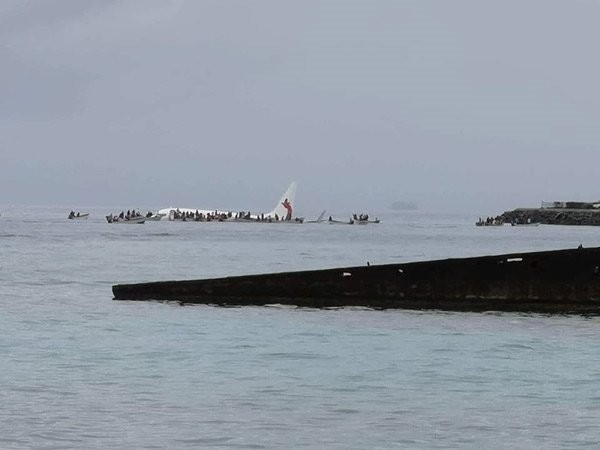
284	209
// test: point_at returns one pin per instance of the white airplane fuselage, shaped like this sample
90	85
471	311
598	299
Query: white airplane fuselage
283	210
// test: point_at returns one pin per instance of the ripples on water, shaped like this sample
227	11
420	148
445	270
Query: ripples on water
83	371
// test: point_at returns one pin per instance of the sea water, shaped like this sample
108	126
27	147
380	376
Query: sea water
80	370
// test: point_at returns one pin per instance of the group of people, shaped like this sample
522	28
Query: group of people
72	214
262	218
489	221
219	216
129	215
521	221
197	216
361	219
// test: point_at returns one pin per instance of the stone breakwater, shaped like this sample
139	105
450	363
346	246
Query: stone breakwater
553	216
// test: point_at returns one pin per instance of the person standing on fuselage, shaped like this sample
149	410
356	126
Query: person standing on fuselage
288	206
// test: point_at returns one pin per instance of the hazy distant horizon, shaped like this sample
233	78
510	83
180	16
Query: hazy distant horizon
457	106
302	209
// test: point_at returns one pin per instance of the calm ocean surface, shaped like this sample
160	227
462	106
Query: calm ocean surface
80	370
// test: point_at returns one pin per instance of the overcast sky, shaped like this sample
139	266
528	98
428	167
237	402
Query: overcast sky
476	106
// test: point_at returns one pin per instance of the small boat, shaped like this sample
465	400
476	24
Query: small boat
155	217
78	216
362	219
332	221
489	224
116	219
530	224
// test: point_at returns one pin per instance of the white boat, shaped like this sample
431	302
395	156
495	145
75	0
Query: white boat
531	224
332	221
116	219
78	216
362	219
155	217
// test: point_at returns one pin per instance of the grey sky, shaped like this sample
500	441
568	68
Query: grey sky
458	105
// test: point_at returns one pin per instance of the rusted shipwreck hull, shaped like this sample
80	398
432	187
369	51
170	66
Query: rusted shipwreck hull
560	281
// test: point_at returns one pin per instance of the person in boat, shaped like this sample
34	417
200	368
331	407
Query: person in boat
71	214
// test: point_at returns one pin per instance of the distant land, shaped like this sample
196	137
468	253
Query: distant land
404	206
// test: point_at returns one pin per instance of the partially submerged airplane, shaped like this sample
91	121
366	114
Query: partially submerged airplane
282	212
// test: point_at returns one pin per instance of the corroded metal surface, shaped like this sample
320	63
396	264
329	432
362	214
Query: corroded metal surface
560	281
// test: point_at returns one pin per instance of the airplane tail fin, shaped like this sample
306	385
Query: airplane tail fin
284	209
